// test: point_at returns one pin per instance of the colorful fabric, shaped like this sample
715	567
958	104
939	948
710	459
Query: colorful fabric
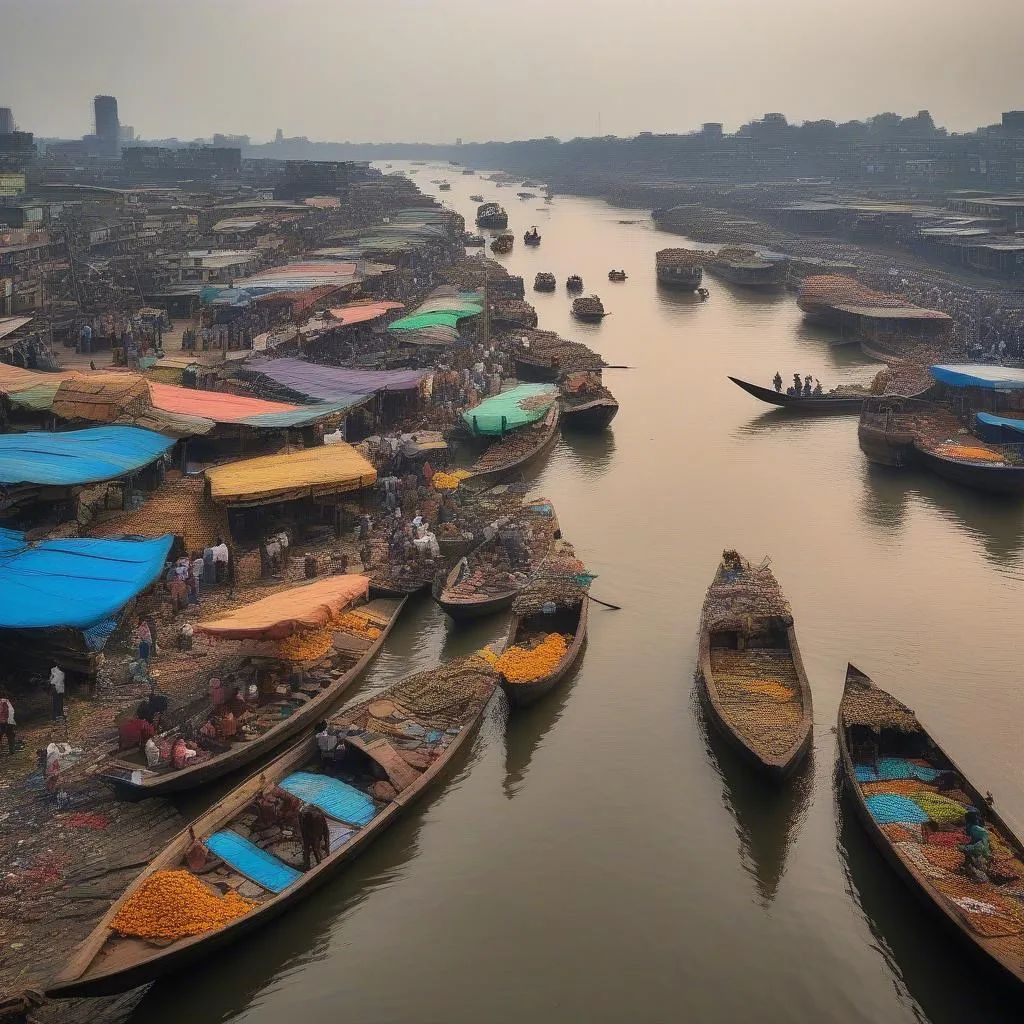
334	797
940	809
892	768
898	787
888	808
958	837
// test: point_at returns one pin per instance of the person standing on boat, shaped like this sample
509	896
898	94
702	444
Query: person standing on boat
316	836
977	850
778	382
807	386
797	385
817	392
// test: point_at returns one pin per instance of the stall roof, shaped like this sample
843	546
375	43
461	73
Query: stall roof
334	383
78	456
73	583
10	324
979	375
288	611
893	313
361	312
328	469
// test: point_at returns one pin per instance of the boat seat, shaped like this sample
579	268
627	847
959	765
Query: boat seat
248	859
341	801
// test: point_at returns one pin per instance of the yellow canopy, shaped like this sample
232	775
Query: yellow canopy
286	612
328	469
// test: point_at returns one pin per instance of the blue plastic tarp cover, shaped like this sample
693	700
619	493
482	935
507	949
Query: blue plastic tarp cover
73	583
78	456
332	796
248	859
979	375
999	429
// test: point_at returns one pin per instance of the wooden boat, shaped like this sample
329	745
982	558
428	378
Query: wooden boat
526	195
531	237
995	477
464	592
574	283
750	675
586	403
473	241
476	199
502	245
588	308
984	911
616	275
748	269
680	268
445	186
544	282
131	778
443	708
491	215
814	405
552	603
510	454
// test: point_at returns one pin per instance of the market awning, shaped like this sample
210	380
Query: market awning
78	456
284	613
362	312
73	583
333	383
328	469
979	375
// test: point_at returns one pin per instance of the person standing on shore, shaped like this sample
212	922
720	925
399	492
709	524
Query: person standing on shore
57	685
7	723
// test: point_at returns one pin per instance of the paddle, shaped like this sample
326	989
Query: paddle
609	366
614	607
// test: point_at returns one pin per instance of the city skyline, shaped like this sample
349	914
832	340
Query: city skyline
589	71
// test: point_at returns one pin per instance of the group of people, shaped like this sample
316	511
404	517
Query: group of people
808	387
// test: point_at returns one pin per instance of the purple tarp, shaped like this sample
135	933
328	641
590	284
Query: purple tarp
334	383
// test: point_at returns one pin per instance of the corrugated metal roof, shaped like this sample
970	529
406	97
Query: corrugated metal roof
10	324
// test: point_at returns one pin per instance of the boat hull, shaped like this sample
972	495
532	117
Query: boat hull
748	277
993	479
534	373
523	695
465	611
804	406
592	416
685	279
551	435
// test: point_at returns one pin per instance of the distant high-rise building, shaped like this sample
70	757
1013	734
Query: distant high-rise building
126	133
1013	121
6	121
108	128
279	136
713	128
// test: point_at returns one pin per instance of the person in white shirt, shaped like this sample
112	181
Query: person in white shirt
57	683
7	723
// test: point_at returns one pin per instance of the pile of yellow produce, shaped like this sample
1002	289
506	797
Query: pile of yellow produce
770	688
306	645
171	905
523	665
358	623
449	481
972	452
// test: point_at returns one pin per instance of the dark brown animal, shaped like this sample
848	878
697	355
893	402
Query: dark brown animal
316	837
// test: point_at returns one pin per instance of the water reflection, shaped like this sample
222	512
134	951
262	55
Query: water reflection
931	966
767	816
589	454
527	727
775	421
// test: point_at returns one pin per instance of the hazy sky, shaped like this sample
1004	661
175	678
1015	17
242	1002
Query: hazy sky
431	70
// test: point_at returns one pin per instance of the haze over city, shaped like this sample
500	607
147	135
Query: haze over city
414	71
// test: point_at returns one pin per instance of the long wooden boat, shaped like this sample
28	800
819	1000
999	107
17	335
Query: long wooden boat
465	593
588	308
132	779
750	676
883	434
586	403
816	406
552	604
749	271
524	445
882	748
441	708
994	477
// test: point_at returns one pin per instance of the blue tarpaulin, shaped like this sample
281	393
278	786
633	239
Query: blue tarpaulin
78	456
73	583
979	375
999	429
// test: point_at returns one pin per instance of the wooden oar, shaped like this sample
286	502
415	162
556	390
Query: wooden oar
614	607
609	366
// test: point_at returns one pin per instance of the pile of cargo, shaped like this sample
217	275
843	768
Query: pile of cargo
682	257
544	282
743	596
579	388
533	659
515	446
902	378
502	245
839	290
588	307
550	351
515	312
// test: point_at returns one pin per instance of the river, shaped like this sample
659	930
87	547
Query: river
600	858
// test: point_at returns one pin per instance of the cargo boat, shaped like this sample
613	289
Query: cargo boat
748	269
680	268
491	216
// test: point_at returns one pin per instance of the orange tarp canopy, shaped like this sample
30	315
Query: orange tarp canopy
289	611
213	405
14	378
327	469
360	312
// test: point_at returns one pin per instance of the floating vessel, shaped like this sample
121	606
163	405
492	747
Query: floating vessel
473	241
832	402
445	186
750	675
680	268
972	463
532	237
486	581
912	799
588	308
519	447
526	195
407	734
586	403
574	283
616	275
550	613
502	245
748	268
476	199
544	282
352	649
491	215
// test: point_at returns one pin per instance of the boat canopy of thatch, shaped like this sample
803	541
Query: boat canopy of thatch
743	597
866	705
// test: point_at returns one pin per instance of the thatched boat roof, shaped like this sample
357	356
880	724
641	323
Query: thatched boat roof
865	704
743	595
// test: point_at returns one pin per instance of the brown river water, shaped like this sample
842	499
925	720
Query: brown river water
600	857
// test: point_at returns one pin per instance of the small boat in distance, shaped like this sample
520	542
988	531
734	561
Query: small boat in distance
445	186
476	199
588	308
616	275
750	674
844	400
544	282
526	195
493	216
473	241
921	811
532	237
574	283
680	268
502	245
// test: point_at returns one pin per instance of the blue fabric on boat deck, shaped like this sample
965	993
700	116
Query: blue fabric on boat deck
332	796
891	769
339	835
889	808
74	583
248	859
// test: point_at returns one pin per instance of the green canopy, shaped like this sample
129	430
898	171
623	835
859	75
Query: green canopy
434	318
504	412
